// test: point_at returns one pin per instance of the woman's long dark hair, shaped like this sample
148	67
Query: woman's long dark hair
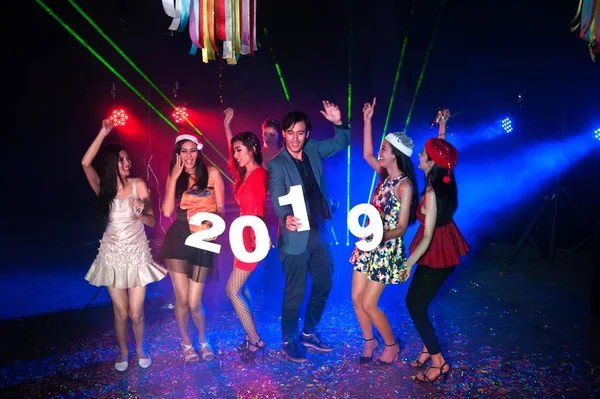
405	165
108	171
446	194
200	172
252	143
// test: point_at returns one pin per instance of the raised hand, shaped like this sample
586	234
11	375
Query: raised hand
369	109
106	128
332	113
444	115
177	168
228	116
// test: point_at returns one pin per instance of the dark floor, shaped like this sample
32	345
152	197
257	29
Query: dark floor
527	334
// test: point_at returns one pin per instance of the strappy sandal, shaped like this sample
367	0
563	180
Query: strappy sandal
207	352
249	355
189	354
381	363
368	359
416	364
425	379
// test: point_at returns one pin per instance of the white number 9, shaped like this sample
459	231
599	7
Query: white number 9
375	226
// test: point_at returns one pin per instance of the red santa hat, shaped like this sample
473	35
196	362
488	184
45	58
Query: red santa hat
443	154
183	134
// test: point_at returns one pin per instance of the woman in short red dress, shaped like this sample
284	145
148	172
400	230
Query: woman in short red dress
250	191
437	247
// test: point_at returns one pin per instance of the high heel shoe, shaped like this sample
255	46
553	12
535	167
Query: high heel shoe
249	355
381	363
416	364
443	374
368	359
244	345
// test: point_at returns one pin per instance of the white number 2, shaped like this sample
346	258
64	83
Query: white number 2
295	198
375	226
236	240
197	240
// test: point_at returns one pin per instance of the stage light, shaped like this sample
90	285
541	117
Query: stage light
180	114
597	134
118	117
507	125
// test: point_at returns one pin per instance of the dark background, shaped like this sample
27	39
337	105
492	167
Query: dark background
484	54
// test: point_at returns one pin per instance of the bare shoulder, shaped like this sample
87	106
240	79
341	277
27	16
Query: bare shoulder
214	173
140	183
212	170
405	184
430	194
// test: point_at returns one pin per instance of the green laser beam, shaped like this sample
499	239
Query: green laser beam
283	85
396	78
349	151
142	74
278	68
423	68
113	70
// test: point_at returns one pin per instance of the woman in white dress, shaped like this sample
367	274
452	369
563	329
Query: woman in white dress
124	264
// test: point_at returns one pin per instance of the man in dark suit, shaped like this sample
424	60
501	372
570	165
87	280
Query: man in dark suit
304	248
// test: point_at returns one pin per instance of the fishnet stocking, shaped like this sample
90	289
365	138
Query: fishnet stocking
242	302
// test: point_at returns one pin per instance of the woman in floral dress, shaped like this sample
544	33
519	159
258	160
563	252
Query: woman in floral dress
396	200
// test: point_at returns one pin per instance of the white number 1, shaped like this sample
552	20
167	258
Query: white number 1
295	198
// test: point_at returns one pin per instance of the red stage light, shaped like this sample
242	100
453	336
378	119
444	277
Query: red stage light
180	114
118	117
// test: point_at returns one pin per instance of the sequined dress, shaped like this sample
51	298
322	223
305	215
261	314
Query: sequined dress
124	259
384	264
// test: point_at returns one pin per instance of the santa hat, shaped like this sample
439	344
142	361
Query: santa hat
401	142
443	154
183	134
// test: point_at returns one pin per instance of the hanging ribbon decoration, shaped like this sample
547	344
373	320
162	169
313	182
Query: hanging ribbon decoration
588	13
227	27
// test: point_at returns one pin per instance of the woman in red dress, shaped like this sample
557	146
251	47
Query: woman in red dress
250	191
437	247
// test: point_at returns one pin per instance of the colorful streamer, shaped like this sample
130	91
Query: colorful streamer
227	27
588	14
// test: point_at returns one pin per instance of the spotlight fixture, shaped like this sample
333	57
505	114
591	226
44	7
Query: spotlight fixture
180	114
118	117
507	125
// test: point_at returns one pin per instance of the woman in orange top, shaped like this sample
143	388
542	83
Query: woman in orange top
197	188
250	191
